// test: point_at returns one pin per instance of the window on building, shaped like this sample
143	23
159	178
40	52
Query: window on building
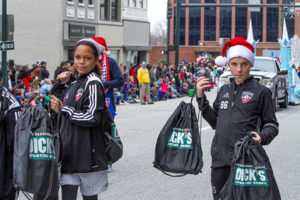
272	24
194	25
91	2
114	10
70	1
210	24
241	22
241	1
195	1
225	22
181	1
128	2
210	1
142	3
134	3
182	26
257	24
272	1
103	9
80	1
225	1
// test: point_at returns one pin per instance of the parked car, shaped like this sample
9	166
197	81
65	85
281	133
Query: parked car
266	71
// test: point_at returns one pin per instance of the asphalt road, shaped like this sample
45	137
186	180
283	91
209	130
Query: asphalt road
134	177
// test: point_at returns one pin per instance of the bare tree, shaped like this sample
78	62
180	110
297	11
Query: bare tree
158	35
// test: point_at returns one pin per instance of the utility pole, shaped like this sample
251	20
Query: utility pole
4	31
169	16
177	33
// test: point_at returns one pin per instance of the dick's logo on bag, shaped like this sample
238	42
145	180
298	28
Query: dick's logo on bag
247	175
180	139
41	147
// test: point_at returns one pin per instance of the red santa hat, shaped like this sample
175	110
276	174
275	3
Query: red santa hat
237	47
98	42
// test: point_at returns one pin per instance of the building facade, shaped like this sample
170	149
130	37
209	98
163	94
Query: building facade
204	30
48	30
136	32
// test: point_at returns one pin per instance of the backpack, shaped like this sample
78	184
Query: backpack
178	147
35	159
251	176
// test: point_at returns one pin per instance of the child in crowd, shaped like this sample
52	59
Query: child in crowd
164	89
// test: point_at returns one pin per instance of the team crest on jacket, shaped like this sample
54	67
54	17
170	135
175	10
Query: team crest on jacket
247	96
78	94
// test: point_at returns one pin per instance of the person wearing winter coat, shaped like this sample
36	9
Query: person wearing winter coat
25	75
84	161
44	73
241	107
9	113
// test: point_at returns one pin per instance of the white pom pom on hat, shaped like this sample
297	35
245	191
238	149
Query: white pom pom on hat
221	61
237	47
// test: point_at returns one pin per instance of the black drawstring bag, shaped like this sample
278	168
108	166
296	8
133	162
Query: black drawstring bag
35	165
251	175
114	145
178	146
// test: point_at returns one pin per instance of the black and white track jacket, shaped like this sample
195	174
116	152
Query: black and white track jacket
237	110
81	130
9	113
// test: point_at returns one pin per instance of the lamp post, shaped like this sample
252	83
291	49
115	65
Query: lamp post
177	32
4	55
169	16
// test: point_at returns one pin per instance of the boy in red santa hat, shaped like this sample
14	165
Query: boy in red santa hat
242	106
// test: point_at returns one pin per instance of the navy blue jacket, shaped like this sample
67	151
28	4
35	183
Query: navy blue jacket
116	77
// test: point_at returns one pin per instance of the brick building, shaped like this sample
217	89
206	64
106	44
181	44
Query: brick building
204	30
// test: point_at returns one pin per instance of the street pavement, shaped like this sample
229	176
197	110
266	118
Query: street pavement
134	178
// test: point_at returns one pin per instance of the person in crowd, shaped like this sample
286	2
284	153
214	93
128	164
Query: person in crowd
64	65
34	88
133	73
10	82
242	106
25	75
46	86
33	99
111	75
126	88
151	74
154	91
9	113
44	73
159	71
84	161
12	68
144	81
36	73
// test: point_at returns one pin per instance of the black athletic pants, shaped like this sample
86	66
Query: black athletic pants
219	176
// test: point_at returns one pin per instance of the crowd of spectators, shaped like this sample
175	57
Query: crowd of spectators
31	85
167	81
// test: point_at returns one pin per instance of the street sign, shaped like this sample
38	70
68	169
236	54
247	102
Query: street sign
5	46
